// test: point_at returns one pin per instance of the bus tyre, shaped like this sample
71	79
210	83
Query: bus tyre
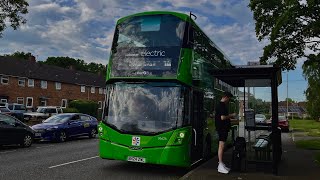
93	133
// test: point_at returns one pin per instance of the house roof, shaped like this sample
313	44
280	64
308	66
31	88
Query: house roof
25	68
291	109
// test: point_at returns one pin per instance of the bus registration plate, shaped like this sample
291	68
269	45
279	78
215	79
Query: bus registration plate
136	159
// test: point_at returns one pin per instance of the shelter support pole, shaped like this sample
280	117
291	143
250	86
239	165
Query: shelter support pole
276	132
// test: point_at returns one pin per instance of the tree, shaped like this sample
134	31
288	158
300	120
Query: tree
289	100
11	12
20	55
76	64
292	26
311	71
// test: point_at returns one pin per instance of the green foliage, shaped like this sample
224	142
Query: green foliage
86	107
70	110
311	71
77	64
289	100
11	12
312	144
20	55
292	27
260	106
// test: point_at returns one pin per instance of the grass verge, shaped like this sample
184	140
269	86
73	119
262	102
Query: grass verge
312	144
310	126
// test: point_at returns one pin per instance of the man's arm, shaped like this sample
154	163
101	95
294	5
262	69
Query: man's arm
230	116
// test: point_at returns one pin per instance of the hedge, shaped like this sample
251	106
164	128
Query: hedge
85	107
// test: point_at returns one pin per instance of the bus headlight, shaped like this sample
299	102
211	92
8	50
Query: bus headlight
179	138
181	135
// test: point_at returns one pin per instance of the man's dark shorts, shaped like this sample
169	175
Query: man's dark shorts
223	135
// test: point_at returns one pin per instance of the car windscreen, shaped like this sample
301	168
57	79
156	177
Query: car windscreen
260	116
58	119
282	118
41	110
10	107
4	110
143	108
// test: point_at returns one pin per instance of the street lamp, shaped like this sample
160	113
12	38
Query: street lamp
287	95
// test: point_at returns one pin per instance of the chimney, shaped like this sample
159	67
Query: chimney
32	58
71	67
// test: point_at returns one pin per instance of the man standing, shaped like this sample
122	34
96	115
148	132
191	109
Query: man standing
223	125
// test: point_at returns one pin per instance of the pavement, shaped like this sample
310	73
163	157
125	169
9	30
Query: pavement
295	164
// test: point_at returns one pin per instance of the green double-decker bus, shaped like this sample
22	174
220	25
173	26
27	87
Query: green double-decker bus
160	94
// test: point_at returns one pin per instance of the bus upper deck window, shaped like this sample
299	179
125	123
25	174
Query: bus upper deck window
151	23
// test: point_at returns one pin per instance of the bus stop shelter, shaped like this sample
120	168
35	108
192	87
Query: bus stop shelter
259	76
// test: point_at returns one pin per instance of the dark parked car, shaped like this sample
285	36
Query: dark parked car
13	131
63	126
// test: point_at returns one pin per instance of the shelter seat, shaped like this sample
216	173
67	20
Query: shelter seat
262	147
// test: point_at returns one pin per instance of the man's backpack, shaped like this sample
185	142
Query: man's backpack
239	153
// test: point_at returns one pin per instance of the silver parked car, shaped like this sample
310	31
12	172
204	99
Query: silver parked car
260	118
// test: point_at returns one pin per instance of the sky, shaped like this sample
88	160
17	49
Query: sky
84	29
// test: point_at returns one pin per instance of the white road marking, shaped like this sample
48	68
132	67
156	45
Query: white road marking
44	146
73	162
4	152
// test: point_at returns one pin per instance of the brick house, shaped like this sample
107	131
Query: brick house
34	84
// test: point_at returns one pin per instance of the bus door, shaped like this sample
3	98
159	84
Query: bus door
197	126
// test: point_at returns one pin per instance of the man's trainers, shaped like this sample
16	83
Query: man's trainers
228	169
222	169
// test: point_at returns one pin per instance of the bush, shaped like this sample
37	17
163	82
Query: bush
268	116
70	110
86	107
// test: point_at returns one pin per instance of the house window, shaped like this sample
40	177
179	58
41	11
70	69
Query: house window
100	104
30	83
58	86
20	100
43	102
44	84
21	82
64	103
29	102
4	100
4	80
100	91
93	90
83	89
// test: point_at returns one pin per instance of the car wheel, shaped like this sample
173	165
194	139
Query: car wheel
27	140
62	137
93	133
